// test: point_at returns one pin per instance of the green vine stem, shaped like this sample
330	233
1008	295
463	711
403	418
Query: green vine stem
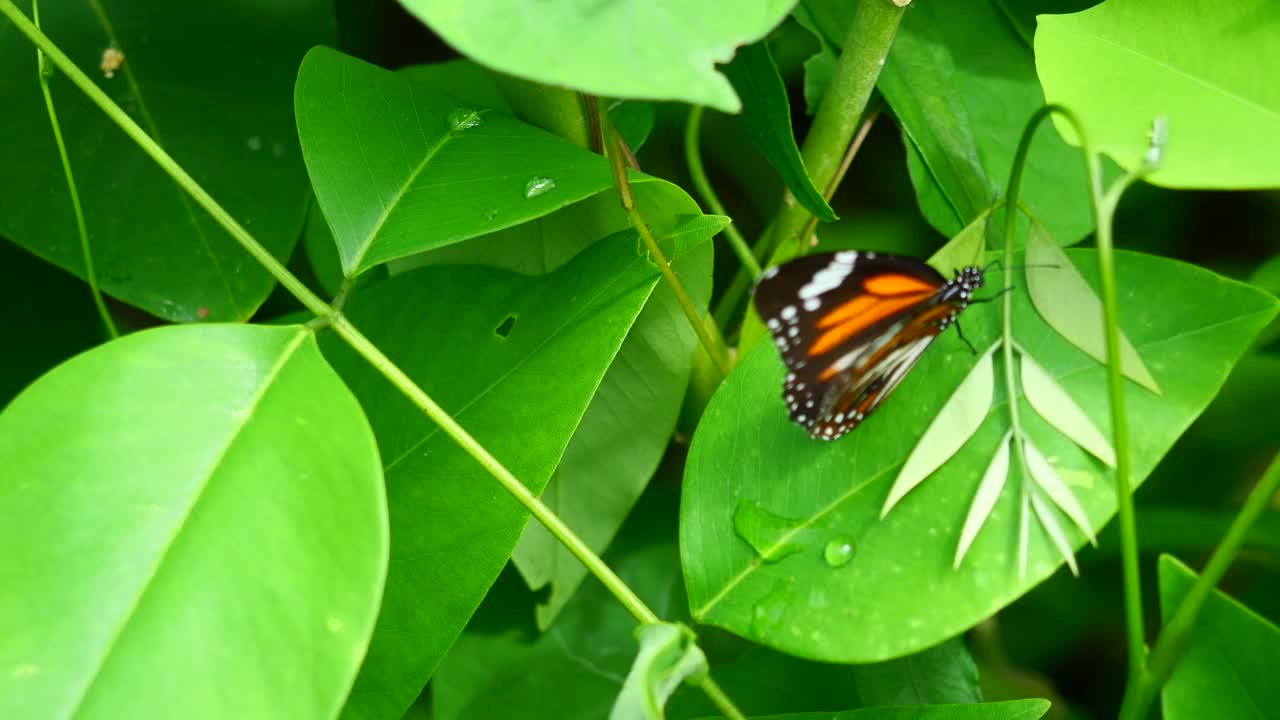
1173	637
712	343
90	275
358	342
1104	204
871	33
738	287
831	137
698	173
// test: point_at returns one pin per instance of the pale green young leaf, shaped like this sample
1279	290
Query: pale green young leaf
985	498
1052	403
964	249
669	655
954	424
1049	521
1046	477
1066	301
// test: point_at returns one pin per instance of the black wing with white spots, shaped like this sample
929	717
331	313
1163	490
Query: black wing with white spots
849	326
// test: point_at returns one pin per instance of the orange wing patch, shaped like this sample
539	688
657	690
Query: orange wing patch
897	284
859	314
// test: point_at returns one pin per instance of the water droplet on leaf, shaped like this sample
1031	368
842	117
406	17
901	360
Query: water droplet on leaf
464	119
767	614
838	552
772	536
538	186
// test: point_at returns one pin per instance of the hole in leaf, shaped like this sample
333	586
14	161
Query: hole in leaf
504	329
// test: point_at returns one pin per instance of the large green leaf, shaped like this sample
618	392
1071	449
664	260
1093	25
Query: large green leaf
577	667
472	173
1227	666
1008	710
766	121
195	527
667	51
620	440
515	360
1208	67
399	167
897	592
963	85
210	82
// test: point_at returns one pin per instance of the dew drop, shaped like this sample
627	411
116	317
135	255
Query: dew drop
254	143
538	186
838	552
767	614
772	536
464	119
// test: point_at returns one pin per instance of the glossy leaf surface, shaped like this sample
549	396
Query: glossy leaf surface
188	487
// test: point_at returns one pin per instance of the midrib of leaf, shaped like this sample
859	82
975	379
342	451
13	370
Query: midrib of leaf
248	413
154	131
433	148
808	522
517	365
1196	80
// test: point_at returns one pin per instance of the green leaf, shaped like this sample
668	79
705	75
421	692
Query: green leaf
1057	408
1204	66
984	498
669	655
520	394
138	513
1226	668
220	109
766	121
1008	710
548	242
1049	523
954	424
963	85
577	667
626	429
820	66
899	593
578	46
1070	306
1047	479
400	168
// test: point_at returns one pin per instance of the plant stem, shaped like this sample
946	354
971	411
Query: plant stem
164	160
693	158
1007	345
343	327
871	33
89	274
719	699
732	297
1173	636
358	342
617	158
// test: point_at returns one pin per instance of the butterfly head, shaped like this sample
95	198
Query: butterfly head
966	282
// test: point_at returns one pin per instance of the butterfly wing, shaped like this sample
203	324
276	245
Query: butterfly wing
849	327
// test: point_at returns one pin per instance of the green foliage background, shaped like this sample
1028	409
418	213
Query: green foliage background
230	512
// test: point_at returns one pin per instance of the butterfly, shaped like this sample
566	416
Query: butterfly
850	325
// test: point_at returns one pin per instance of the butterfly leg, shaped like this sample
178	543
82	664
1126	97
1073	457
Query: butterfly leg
965	339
